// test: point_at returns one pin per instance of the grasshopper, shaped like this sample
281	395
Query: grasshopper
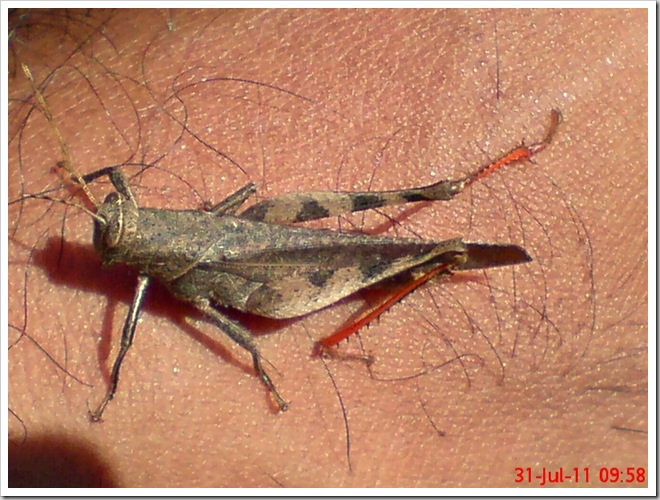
255	262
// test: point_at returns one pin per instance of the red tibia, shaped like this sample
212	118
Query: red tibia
349	330
520	153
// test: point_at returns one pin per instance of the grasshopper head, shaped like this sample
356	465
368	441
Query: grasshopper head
117	220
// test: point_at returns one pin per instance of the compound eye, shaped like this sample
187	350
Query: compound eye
108	233
115	226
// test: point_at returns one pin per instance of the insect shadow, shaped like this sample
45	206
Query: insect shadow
78	267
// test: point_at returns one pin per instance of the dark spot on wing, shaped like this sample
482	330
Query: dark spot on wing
373	269
319	278
311	210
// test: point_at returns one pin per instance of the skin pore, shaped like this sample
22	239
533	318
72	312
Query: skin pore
544	366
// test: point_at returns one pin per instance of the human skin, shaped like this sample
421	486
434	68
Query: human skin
555	355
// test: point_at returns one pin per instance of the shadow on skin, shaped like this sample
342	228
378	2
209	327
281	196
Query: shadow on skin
57	461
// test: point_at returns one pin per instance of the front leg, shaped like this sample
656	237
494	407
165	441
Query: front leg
127	335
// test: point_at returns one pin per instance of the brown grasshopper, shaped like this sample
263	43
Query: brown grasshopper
253	262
